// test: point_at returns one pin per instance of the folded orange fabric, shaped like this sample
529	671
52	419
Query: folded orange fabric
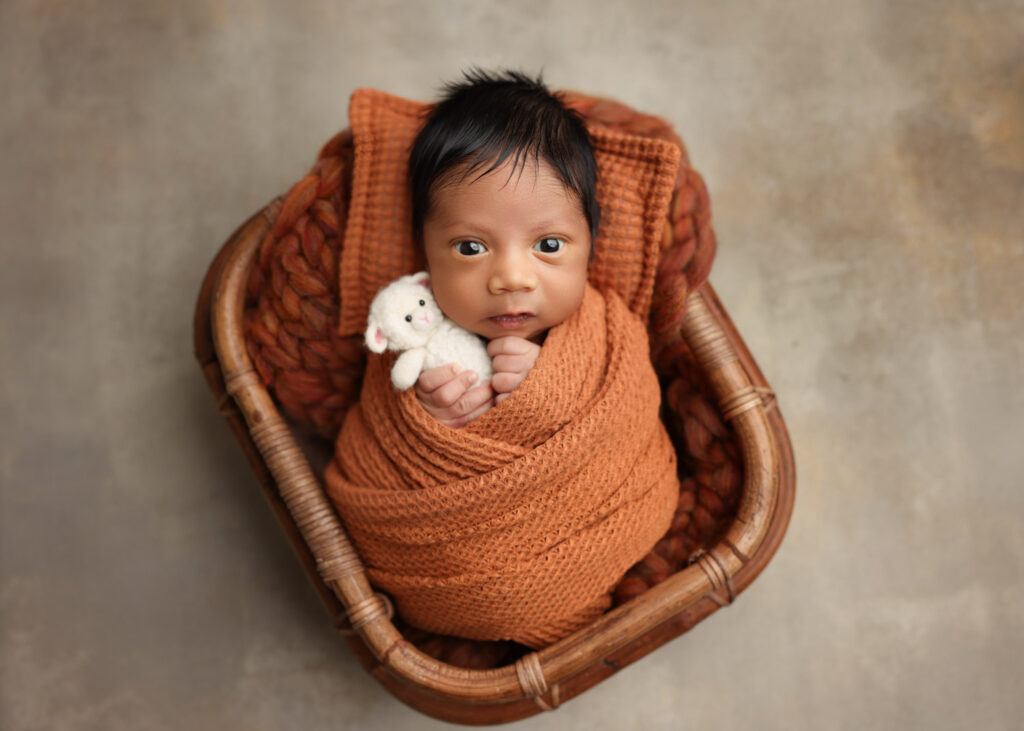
518	525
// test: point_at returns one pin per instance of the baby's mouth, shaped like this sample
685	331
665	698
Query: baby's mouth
511	321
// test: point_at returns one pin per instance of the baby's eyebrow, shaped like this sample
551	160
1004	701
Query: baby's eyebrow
548	226
473	226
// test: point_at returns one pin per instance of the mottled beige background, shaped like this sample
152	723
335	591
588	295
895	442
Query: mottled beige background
866	166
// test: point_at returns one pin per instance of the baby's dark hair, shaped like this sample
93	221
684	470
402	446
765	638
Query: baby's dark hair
487	118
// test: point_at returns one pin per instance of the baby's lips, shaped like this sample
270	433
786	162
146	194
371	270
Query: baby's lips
512	321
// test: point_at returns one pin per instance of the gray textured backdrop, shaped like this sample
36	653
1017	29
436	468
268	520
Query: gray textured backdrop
866	166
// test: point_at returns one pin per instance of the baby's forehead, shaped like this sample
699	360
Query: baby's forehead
514	169
528	180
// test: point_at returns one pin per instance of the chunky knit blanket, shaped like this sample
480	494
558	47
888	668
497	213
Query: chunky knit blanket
518	525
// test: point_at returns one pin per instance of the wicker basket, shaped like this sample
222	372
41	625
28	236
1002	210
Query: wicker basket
403	660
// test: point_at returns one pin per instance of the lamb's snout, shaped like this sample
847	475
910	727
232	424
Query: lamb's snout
422	322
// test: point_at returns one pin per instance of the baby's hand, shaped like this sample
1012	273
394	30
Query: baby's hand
512	358
447	395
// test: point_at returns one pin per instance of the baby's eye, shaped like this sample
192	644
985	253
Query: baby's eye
549	246
469	248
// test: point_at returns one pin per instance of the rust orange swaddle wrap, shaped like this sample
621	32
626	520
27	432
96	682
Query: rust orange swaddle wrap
518	525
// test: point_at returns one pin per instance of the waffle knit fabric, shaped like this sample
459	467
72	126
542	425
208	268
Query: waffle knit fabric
518	525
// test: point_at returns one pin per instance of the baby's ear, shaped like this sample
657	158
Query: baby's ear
375	339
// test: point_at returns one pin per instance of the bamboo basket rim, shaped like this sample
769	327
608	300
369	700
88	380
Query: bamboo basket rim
534	681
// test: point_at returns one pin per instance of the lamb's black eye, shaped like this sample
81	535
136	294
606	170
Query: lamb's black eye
422	302
408	318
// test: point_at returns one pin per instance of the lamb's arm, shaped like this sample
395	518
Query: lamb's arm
407	368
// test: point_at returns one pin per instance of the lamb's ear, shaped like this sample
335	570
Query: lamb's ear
375	339
422	279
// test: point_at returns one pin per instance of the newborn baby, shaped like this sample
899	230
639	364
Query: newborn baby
505	214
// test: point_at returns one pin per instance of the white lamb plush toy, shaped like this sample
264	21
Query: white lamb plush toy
404	317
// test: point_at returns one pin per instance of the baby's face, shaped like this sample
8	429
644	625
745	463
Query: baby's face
507	256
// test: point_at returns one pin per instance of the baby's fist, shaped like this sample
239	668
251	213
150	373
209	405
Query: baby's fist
512	358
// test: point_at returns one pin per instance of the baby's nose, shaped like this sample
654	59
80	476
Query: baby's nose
511	274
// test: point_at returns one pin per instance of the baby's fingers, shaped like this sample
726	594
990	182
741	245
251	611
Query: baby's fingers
469	401
512	355
503	383
433	378
512	364
512	345
480	410
467	407
450	393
